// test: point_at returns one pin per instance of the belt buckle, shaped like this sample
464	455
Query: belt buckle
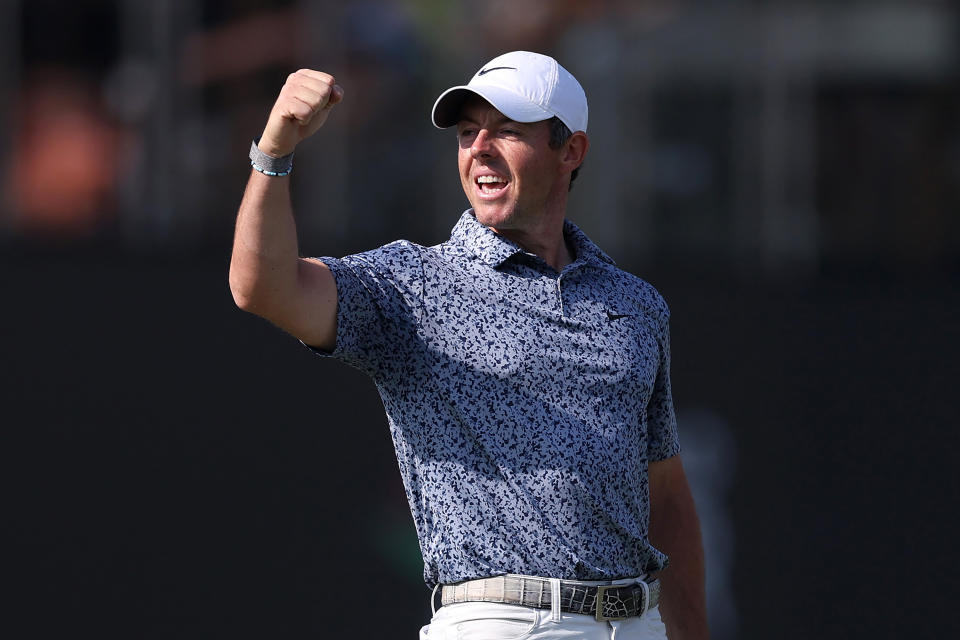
601	596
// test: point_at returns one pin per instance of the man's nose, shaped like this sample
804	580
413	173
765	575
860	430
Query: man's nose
482	147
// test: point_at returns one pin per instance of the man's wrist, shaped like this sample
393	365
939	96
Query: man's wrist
273	166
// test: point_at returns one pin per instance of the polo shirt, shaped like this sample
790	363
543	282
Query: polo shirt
524	404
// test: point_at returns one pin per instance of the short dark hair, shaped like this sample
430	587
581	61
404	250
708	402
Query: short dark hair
559	134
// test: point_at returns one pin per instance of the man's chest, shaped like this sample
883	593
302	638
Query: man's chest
548	333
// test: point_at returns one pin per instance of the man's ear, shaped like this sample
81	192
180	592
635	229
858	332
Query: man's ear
575	150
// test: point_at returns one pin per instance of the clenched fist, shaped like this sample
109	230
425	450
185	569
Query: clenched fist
301	108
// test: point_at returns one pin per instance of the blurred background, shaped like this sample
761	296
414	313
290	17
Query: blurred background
785	173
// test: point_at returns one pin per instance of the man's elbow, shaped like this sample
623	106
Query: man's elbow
243	301
244	292
240	292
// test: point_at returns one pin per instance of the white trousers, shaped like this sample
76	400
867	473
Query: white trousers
490	621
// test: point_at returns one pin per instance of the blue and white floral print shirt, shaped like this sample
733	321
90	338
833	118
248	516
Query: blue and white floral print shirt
524	404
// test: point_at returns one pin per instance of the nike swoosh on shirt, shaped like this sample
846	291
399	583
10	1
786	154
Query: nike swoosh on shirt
616	316
483	71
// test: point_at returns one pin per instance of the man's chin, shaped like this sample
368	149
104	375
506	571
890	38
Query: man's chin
492	216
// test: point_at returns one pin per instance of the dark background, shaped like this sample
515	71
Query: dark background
784	173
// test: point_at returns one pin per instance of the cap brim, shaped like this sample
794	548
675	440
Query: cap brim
446	110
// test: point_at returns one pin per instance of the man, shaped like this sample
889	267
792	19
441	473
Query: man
525	378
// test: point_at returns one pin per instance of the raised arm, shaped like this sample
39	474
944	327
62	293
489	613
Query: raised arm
267	275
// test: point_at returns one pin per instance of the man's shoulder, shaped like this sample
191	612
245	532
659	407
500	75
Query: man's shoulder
407	256
638	291
399	253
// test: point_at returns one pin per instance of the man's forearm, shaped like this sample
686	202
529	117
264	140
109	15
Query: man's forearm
675	530
683	606
265	250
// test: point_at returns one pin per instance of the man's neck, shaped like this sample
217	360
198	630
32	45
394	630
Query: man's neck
549	244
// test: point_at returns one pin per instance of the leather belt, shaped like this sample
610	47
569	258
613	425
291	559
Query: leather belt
604	602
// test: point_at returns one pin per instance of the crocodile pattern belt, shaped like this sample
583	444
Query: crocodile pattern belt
604	602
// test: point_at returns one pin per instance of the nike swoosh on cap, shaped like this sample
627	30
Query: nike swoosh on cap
483	71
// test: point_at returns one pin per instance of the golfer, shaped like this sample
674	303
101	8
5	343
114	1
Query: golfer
525	377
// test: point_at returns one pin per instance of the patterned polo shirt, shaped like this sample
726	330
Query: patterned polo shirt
524	404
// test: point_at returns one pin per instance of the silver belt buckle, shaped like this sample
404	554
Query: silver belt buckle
601	596
602	591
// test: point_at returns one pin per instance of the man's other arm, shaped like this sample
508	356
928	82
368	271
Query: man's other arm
675	530
267	275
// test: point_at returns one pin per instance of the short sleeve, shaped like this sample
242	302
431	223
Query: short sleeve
379	302
662	439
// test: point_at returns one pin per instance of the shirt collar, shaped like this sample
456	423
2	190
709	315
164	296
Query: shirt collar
493	249
586	250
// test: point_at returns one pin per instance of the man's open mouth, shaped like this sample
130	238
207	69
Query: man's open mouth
491	185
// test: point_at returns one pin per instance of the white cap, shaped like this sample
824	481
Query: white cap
525	87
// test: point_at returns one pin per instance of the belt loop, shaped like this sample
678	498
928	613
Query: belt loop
646	598
555	599
433	599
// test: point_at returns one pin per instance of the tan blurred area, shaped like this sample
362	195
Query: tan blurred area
66	169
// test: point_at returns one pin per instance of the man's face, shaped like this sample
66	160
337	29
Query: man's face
508	170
